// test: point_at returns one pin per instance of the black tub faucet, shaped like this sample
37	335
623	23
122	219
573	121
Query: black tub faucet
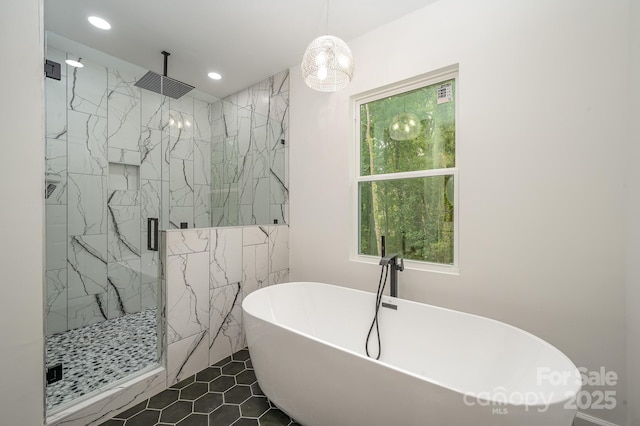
396	264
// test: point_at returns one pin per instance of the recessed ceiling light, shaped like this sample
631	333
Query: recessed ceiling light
214	76
74	63
99	23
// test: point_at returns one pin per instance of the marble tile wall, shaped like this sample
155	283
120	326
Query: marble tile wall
208	273
103	173
117	155
250	154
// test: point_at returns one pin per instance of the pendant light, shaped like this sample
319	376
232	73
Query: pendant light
327	64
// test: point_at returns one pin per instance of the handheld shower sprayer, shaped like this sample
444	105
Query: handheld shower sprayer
395	263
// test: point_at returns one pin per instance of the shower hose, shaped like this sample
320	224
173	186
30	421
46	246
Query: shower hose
381	284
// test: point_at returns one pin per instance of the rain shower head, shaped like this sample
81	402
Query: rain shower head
162	84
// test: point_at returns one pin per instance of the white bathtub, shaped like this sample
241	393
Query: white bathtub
438	367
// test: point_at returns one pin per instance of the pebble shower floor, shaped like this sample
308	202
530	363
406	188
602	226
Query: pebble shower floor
99	354
225	394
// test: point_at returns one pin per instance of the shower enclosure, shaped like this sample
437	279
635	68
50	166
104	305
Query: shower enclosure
122	163
104	182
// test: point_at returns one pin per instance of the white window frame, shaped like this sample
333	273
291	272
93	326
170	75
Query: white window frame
357	100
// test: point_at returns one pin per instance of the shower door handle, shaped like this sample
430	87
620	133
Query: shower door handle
152	233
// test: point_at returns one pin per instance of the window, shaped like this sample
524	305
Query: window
406	172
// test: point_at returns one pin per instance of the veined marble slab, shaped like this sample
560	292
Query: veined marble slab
123	83
56	309
203	120
227	335
87	143
56	107
226	257
186	357
187	295
87	213
124	121
187	241
154	112
87	88
87	265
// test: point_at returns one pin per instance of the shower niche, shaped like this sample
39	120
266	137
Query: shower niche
124	177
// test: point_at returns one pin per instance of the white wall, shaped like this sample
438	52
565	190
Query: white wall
21	214
541	152
633	223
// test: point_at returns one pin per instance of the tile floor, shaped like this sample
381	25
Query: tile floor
99	354
224	394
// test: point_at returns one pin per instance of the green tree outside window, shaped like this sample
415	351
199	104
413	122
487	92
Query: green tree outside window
407	173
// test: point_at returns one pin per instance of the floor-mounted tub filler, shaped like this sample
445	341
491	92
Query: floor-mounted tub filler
438	367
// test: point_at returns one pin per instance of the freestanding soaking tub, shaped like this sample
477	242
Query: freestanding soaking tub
438	367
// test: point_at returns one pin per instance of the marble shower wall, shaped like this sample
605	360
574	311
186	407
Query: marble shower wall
117	155
208	273
250	155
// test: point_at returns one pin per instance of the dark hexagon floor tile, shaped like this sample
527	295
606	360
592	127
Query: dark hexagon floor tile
113	422
176	411
194	420
254	406
255	389
241	355
221	384
233	368
164	398
237	394
194	391
184	383
274	417
225	415
132	411
222	362
246	422
249	364
144	418
207	403
208	374
247	377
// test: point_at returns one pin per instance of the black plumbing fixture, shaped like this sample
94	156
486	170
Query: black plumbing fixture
384	271
395	263
163	84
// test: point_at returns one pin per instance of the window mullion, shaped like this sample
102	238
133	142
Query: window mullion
408	175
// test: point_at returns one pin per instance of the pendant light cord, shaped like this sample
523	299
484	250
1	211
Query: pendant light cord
327	17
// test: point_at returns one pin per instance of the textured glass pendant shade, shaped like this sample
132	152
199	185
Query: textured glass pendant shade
404	126
327	64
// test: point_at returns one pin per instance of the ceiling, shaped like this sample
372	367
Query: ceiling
244	40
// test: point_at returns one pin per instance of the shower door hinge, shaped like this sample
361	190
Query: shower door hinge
52	69
54	374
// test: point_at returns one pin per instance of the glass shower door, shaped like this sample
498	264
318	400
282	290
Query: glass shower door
103	196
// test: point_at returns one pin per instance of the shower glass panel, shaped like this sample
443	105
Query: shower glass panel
104	182
249	155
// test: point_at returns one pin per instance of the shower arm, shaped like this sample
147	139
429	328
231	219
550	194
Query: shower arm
166	61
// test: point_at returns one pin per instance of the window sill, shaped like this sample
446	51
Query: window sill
411	265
